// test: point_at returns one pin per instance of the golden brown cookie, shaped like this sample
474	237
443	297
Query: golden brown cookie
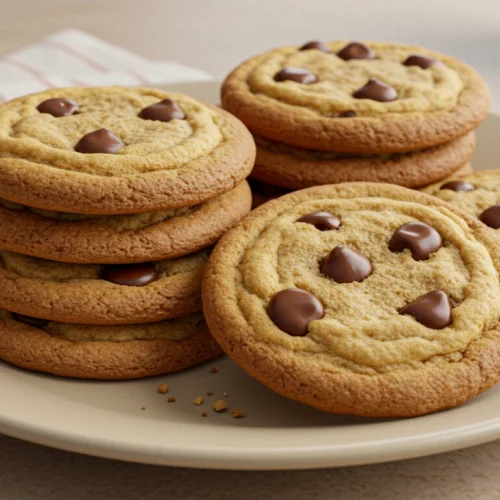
120	239
101	294
477	193
357	98
296	168
105	352
117	150
364	299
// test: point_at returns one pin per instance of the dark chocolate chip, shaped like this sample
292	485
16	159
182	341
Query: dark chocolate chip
163	111
293	309
130	274
432	310
491	217
100	141
294	74
344	265
347	114
58	106
419	238
376	90
324	221
356	50
458	186
316	45
424	62
29	320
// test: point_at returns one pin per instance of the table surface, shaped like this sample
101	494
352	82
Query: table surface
215	35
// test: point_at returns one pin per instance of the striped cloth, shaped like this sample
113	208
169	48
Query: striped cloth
72	58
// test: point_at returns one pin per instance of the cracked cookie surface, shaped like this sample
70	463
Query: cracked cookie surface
426	106
376	344
162	162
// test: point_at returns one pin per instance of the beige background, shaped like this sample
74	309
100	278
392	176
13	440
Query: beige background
215	35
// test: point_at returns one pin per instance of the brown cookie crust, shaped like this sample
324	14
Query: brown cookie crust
37	349
121	239
314	371
161	167
295	168
75	293
436	105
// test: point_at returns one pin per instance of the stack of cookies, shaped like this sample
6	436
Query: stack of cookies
110	199
327	113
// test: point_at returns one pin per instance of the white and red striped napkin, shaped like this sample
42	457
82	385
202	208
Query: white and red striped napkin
72	58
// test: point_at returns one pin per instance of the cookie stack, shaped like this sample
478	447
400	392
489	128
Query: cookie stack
341	112
110	199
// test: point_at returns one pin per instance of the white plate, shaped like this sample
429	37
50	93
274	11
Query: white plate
105	418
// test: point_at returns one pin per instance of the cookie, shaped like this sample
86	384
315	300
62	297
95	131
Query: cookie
120	239
105	352
117	150
294	168
357	98
101	294
364	299
477	193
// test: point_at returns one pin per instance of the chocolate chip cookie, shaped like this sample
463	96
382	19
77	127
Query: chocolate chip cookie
105	352
296	168
120	239
114	150
364	299
101	294
478	194
353	97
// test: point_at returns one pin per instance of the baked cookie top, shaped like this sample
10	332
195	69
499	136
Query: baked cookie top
141	149
478	194
358	298
123	239
101	294
356	97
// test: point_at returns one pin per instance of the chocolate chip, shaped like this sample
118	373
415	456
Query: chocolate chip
356	50
376	90
163	111
293	309
130	274
29	320
344	265
294	74
58	106
458	186
432	310
316	45
347	114
425	62
419	238
324	221
491	217
100	141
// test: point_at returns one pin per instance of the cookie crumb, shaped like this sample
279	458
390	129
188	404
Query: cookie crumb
163	388
143	408
204	414
225	394
238	413
171	399
214	369
210	393
198	401
220	406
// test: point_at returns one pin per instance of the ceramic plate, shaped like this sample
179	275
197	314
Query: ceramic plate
106	419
